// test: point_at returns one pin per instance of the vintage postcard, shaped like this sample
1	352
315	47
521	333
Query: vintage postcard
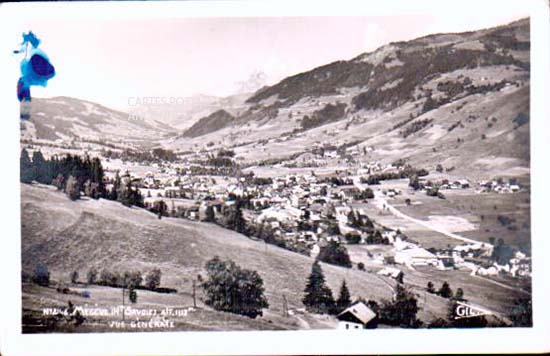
200	168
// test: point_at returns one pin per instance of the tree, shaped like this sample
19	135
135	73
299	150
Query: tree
235	220
401	310
129	195
318	296
361	266
132	294
430	288
71	188
39	167
344	298
445	291
41	275
368	193
74	277
459	295
92	276
152	280
439	168
113	194
335	254
230	288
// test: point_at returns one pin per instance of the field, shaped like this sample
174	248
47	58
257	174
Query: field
466	212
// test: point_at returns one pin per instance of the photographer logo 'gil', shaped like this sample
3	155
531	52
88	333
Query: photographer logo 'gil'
463	310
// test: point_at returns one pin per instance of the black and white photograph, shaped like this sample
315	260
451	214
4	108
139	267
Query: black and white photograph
347	172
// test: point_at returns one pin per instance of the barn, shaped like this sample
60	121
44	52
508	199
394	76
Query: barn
357	316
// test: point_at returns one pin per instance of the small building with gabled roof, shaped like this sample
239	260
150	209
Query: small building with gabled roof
357	316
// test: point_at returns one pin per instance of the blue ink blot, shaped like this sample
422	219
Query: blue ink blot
35	66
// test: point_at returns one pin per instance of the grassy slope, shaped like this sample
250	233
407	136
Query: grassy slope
68	236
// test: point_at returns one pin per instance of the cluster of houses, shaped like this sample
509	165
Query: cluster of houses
306	212
499	186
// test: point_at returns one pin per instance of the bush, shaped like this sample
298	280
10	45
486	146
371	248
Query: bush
233	289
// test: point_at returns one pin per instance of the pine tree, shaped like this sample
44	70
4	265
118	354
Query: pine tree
402	310
39	166
318	296
25	165
114	194
344	298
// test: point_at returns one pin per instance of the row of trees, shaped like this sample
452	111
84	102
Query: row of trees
80	174
75	175
445	291
126	279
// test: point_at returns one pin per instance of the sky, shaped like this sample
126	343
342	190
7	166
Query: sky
113	62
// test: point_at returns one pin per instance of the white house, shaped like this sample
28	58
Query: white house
357	316
416	256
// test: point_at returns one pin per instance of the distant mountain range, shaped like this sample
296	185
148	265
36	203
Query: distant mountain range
67	119
460	100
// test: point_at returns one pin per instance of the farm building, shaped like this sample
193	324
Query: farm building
357	316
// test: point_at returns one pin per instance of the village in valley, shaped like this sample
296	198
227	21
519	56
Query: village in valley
305	211
389	190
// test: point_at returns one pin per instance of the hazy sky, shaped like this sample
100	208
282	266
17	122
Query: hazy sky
112	61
